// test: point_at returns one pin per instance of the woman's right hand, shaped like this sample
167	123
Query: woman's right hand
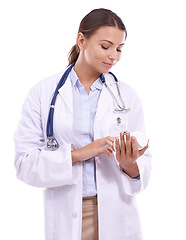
99	146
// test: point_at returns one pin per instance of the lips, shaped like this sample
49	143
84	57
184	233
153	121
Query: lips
108	65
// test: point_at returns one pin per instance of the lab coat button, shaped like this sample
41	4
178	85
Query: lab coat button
74	215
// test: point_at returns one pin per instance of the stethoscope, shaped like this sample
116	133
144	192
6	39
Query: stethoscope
52	143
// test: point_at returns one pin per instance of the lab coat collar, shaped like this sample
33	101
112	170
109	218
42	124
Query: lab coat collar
106	99
73	77
104	102
66	94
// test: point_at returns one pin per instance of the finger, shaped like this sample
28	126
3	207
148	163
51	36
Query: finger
117	146
112	138
108	152
122	142
135	150
128	143
142	151
118	151
110	142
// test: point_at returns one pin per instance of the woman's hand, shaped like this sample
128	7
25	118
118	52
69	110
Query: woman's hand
128	153
99	146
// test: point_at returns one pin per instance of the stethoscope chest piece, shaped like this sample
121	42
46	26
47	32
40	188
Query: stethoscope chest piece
52	144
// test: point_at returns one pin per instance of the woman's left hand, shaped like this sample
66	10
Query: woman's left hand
127	153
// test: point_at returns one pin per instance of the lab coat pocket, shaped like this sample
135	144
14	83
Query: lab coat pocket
119	124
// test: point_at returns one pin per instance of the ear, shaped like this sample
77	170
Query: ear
81	41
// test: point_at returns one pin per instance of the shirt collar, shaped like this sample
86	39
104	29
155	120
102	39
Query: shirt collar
97	84
75	81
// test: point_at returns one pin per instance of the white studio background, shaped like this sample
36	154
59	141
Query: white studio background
36	37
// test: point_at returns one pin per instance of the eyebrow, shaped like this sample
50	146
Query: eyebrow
111	42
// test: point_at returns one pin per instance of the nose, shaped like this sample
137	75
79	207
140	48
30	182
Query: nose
113	55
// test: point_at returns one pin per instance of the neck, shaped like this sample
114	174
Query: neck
87	75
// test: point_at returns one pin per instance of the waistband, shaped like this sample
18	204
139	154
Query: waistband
90	198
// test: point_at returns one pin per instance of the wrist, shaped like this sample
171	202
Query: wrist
74	156
132	171
81	154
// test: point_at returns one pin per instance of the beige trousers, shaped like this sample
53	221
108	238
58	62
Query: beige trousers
90	219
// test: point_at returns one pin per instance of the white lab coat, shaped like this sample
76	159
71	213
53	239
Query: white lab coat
62	181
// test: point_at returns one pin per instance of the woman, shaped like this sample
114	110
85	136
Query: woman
90	185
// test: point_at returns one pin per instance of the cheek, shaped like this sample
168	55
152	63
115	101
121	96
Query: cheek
119	57
102	54
97	53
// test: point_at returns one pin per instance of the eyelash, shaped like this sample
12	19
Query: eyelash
106	48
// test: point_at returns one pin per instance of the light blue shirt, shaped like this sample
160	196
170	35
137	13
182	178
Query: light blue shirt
84	112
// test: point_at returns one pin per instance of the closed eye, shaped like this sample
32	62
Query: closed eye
104	47
119	50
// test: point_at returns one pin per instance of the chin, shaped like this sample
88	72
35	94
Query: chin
104	70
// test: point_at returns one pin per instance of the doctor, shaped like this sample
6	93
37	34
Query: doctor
90	186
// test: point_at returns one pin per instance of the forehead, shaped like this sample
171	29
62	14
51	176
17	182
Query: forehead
113	34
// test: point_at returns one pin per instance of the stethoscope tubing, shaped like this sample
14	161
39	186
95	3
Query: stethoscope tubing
52	105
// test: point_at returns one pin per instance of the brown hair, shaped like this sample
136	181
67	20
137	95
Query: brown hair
91	23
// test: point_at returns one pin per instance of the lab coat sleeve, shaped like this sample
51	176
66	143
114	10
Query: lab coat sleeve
34	164
136	123
135	186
